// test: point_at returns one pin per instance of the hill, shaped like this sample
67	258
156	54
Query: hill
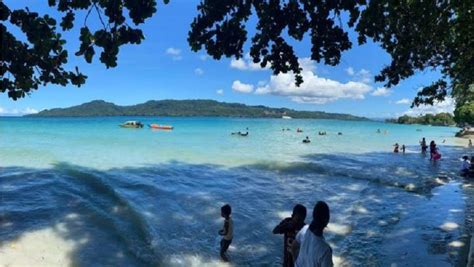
186	108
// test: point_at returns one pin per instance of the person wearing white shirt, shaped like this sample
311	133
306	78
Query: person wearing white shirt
311	248
466	164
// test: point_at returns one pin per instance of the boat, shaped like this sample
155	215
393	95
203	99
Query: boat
286	117
160	127
131	124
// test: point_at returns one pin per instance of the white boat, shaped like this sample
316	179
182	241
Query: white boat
131	124
286	117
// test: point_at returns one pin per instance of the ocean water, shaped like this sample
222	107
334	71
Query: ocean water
85	192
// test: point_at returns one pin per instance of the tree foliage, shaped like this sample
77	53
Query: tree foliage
187	108
440	119
40	58
418	35
465	114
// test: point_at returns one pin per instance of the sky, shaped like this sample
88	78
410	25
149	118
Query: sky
164	67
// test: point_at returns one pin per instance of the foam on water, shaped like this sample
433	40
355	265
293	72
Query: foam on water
128	197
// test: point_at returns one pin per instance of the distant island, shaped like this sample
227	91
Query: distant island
187	108
440	119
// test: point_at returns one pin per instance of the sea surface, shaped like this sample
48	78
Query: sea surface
85	192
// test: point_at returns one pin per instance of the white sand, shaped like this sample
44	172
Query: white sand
39	248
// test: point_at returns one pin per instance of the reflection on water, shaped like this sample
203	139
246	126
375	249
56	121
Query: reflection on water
84	198
168	214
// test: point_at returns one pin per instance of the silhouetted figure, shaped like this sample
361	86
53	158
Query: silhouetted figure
470	143
227	231
403	149
433	149
466	165
306	140
423	145
289	227
396	147
310	245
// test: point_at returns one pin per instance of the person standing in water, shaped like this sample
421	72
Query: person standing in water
433	149
470	143
310	248
289	227
423	145
403	149
395	149
227	231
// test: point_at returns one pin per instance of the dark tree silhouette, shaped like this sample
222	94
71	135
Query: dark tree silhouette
41	58
418	35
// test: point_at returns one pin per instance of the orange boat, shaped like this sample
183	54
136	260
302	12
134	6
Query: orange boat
161	127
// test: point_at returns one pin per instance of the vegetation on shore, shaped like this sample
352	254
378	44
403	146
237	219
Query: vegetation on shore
186	108
440	119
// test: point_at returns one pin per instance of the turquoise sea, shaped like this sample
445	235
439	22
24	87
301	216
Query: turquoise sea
101	195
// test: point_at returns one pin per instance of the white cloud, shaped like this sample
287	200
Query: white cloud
242	87
220	92
246	63
17	112
315	89
403	101
446	106
175	53
362	75
350	71
381	91
198	71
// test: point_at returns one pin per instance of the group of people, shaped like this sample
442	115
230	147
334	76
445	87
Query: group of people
303	245
396	148
434	152
306	140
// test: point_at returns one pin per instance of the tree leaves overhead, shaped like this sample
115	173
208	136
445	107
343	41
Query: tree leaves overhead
41	58
220	29
417	34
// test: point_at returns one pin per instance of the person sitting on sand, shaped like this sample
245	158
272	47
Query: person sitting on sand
423	145
466	165
289	227
395	149
306	140
227	231
309	246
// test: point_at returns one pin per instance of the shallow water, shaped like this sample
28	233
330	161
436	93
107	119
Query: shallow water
102	195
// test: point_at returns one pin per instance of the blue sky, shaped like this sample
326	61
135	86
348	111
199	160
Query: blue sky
164	67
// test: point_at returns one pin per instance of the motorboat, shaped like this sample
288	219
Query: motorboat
132	124
161	127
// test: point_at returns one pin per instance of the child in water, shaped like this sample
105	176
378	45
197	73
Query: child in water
289	227
227	232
